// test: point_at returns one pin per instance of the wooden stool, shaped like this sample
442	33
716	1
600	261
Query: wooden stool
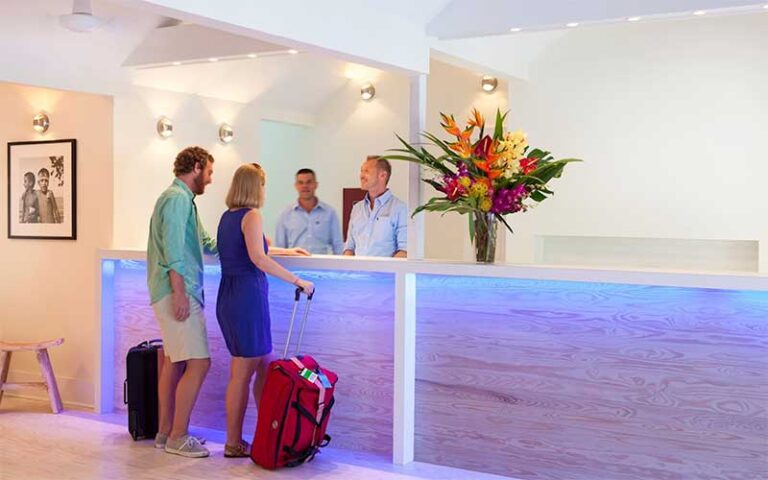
49	380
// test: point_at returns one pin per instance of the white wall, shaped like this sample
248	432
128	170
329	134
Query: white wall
48	288
670	119
509	55
284	149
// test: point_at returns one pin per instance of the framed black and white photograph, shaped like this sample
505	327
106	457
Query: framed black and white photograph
41	189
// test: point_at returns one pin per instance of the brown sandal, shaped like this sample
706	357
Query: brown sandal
240	450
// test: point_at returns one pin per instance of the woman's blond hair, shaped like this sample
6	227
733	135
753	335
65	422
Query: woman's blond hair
247	188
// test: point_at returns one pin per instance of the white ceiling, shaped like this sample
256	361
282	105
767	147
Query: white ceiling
462	19
38	51
420	12
31	38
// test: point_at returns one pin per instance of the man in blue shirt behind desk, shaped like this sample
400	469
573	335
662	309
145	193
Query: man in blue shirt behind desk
309	223
378	223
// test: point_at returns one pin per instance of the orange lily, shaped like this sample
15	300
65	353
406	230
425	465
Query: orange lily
476	120
486	152
449	124
465	135
486	167
462	147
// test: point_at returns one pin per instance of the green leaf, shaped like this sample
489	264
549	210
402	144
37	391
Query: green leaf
444	146
538	196
547	172
403	157
498	131
537	153
504	221
436	185
471	228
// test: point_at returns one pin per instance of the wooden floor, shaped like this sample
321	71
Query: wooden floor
36	445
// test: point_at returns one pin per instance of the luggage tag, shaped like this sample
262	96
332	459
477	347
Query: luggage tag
308	375
324	380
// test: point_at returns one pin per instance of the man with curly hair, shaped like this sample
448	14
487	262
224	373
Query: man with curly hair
177	240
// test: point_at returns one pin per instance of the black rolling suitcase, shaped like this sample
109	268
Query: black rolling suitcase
142	366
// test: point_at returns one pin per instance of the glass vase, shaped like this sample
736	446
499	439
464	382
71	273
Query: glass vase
484	238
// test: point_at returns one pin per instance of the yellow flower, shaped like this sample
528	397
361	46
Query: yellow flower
478	189
485	204
512	168
513	146
465	181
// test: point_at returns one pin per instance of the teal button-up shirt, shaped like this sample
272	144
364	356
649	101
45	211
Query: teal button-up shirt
176	242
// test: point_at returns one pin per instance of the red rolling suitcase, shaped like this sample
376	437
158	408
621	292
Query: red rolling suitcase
295	406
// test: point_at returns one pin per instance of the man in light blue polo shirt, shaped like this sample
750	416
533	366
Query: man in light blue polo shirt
378	223
309	223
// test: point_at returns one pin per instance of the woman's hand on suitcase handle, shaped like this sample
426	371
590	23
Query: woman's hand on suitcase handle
307	287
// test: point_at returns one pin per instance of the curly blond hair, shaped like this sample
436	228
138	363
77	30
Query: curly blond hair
188	158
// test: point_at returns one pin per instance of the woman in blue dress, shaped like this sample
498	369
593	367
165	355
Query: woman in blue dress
242	307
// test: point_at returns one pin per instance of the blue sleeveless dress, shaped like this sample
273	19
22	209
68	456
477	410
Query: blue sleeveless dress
242	305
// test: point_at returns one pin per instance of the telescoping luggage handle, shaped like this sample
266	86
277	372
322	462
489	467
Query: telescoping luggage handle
296	297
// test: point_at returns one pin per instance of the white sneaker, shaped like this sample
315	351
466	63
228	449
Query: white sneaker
161	439
186	446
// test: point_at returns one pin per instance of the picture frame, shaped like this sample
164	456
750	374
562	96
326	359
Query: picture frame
42	189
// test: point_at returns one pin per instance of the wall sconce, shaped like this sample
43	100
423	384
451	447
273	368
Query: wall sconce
226	134
164	127
40	123
367	92
489	83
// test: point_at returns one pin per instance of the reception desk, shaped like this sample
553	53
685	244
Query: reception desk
520	370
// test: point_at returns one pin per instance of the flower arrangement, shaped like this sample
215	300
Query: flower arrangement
495	175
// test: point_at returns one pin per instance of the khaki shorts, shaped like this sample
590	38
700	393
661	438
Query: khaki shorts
183	340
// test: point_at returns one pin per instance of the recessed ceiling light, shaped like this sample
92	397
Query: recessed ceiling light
213	59
572	24
177	63
700	12
293	52
251	55
633	19
515	30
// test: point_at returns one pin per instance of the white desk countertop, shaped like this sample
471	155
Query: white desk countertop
635	276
